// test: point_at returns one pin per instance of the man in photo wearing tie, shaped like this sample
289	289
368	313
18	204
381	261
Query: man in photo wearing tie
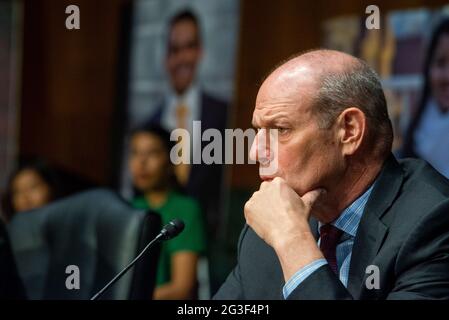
339	205
187	102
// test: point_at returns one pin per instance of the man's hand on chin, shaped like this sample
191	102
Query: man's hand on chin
281	218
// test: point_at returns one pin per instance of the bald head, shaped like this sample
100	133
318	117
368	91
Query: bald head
331	81
321	61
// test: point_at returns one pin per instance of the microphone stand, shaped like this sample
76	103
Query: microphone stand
121	273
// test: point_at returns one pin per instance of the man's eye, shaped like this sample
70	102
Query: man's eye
282	130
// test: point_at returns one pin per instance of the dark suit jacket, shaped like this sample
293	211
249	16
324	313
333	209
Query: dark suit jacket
404	231
206	181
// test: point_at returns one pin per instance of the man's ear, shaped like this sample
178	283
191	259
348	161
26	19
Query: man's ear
351	129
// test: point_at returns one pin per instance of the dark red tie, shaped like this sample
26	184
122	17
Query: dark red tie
329	237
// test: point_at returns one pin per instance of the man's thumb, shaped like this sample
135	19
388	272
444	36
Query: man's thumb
310	197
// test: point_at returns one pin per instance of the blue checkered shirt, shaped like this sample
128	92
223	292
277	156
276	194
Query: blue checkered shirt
348	222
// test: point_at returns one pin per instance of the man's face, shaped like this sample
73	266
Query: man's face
308	156
184	53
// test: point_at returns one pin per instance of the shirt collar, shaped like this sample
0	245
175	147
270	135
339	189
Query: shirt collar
349	219
188	97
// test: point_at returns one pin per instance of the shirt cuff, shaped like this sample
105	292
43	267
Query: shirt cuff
301	275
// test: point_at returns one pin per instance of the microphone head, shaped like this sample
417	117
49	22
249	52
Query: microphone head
172	229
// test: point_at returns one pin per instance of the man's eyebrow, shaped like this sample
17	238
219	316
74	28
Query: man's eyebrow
276	121
269	123
280	120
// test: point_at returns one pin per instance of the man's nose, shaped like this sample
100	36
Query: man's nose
260	149
182	55
253	150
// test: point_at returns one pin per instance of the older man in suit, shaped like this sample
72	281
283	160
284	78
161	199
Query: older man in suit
340	218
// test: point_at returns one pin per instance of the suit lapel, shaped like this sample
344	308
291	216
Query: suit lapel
372	231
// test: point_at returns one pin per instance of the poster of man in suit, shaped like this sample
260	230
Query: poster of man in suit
181	71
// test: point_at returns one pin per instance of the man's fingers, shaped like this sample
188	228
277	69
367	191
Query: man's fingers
310	197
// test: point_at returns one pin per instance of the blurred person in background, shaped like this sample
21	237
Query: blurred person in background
32	185
157	189
185	102
427	135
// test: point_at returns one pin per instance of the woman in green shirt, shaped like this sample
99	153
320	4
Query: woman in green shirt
155	183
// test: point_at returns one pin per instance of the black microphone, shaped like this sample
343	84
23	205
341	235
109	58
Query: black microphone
169	231
172	229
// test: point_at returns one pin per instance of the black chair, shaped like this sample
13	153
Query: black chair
11	286
97	232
